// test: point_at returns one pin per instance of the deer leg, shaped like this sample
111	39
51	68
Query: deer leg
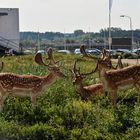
1	102
2	99
35	92
33	100
113	94
138	90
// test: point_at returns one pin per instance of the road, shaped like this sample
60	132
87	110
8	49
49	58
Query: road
129	61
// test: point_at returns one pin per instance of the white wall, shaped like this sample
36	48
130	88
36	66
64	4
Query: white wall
9	24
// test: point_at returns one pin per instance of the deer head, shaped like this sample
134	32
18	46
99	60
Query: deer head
52	65
78	77
104	59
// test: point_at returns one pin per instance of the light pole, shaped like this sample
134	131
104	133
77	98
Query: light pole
130	28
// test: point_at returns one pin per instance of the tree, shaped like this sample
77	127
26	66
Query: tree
78	33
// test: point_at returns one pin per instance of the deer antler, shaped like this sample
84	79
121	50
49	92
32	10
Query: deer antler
39	60
103	54
107	59
50	57
119	64
76	72
82	50
49	52
103	57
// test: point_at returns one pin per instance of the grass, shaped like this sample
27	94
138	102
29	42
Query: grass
61	114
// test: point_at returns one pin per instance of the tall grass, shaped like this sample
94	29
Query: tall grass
61	114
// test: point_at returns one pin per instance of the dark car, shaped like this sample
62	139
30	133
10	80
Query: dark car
93	51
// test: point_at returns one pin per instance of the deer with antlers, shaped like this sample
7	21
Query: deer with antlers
104	56
85	91
114	80
29	85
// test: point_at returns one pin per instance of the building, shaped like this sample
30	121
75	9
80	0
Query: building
9	29
122	43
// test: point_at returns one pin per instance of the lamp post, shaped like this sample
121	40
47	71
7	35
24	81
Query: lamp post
130	28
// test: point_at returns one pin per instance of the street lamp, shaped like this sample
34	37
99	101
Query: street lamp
130	28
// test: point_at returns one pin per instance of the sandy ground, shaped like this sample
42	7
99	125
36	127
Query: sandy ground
129	61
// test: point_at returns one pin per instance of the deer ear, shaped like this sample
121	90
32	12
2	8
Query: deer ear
38	59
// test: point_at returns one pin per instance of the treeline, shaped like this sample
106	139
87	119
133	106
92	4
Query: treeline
103	33
35	35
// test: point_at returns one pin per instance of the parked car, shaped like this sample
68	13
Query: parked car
123	51
77	51
41	51
111	52
64	51
28	52
93	51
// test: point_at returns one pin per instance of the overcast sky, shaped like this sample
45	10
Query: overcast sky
69	15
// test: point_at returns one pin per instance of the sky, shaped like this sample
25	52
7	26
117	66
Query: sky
66	16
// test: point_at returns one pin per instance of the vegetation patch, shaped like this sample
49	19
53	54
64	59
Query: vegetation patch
60	112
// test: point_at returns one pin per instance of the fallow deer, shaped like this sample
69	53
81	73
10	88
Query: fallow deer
114	80
29	85
85	91
120	79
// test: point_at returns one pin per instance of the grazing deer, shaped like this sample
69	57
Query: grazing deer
29	85
114	80
85	91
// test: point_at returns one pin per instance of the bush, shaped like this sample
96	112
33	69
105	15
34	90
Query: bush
129	56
